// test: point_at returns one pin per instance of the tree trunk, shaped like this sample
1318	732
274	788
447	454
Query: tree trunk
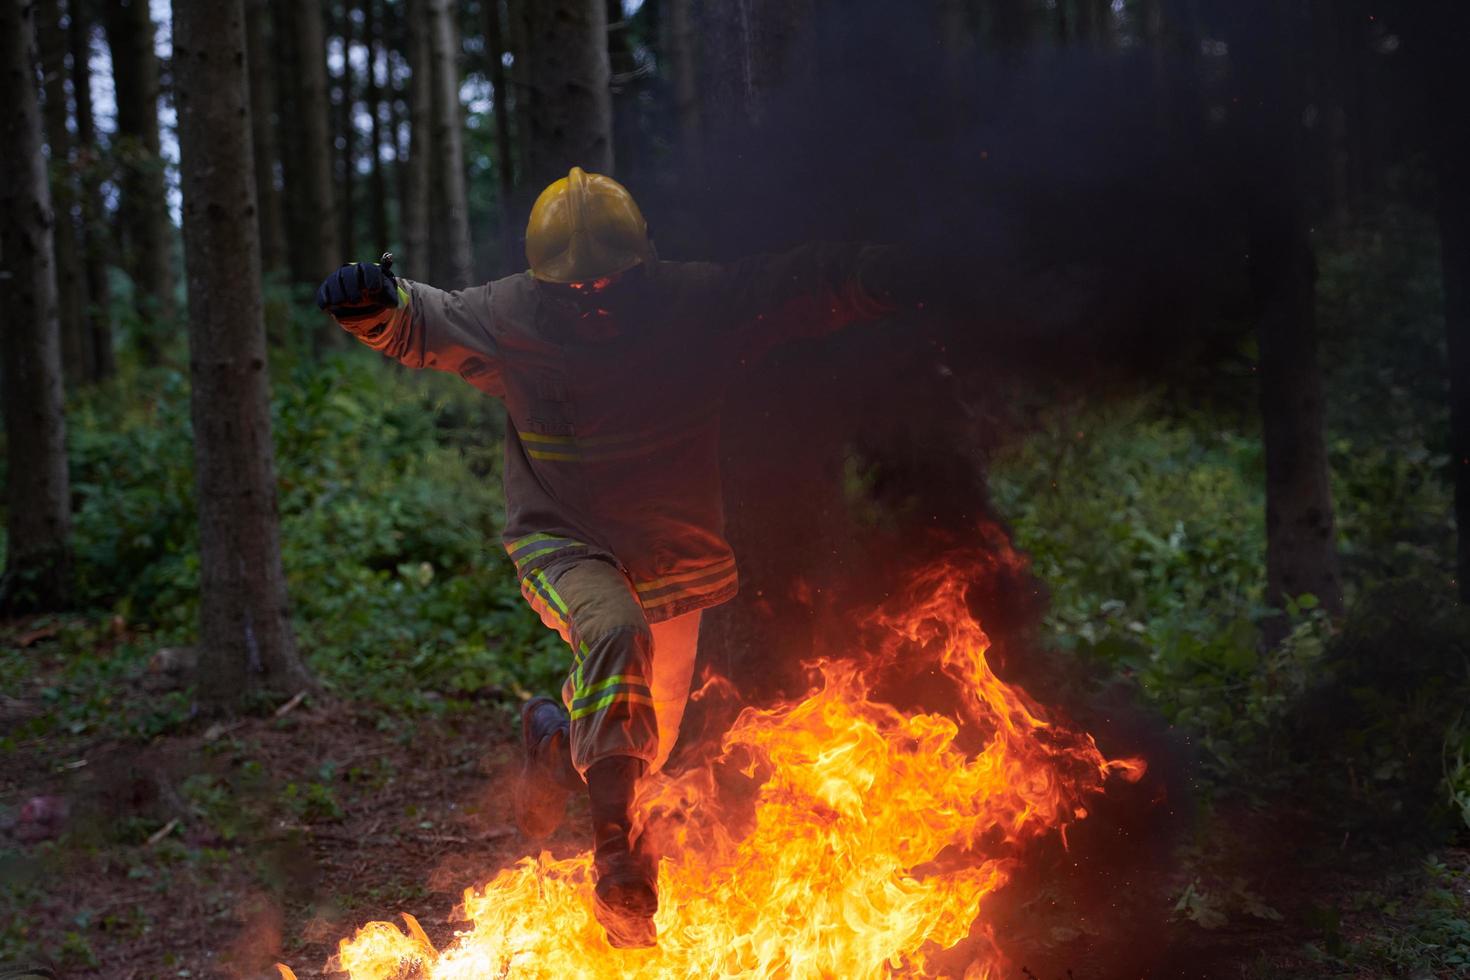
263	135
1301	545
623	93
420	101
450	223
37	552
246	641
518	29
95	237
504	149
683	57
346	141
306	155
1449	20
571	124
377	184
143	203
71	287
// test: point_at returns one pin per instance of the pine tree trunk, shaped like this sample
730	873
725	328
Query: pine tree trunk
95	237
345	107
623	94
377	183
37	552
682	45
571	125
505	259
306	150
1444	66
518	30
258	37
449	226
291	132
71	287
1301	545
143	204
420	100
246	641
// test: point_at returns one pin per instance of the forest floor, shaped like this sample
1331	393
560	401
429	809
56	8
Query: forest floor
216	850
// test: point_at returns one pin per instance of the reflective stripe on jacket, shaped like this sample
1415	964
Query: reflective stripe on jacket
612	446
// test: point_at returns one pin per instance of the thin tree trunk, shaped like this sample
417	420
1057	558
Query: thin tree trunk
1443	64
300	262
37	552
245	625
71	286
682	57
623	87
504	150
377	182
346	140
420	100
572	122
143	203
450	225
263	134
95	237
307	155
518	21
1454	229
1301	546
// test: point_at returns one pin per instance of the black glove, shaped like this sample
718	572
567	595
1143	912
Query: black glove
357	292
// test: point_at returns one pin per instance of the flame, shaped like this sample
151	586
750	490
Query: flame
831	836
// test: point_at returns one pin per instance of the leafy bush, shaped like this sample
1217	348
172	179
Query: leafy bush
390	508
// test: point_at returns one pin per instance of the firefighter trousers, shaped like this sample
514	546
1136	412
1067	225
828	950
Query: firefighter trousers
629	680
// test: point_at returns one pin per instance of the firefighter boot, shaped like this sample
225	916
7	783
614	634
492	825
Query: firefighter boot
547	777
627	876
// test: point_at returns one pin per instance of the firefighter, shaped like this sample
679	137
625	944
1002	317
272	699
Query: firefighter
612	366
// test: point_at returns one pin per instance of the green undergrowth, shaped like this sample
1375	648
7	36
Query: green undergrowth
390	503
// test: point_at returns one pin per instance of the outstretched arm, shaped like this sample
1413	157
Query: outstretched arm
416	324
809	291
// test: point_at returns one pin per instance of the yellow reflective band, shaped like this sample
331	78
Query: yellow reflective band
549	592
555	457
612	698
653	585
606	683
538	437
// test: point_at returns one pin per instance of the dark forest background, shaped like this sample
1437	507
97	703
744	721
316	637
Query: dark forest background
1198	347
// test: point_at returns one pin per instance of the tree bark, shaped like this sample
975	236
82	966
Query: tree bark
1443	67
258	38
247	644
71	286
571	124
377	183
504	148
682	45
1301	545
306	156
420	102
147	229
95	237
346	140
37	553
518	31
450	224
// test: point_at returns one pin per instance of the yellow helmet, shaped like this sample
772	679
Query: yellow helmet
584	227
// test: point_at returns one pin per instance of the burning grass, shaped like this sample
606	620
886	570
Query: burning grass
832	835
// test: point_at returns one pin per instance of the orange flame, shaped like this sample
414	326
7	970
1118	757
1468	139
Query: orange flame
866	842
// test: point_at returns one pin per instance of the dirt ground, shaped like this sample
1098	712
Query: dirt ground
217	850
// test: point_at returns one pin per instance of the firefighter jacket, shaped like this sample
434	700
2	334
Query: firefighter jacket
611	446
